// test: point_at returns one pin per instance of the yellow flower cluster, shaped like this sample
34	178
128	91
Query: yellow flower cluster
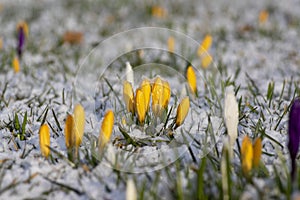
160	92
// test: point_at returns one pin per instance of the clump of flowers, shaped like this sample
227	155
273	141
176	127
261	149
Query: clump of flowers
74	130
148	107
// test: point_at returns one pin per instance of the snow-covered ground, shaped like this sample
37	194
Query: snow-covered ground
54	76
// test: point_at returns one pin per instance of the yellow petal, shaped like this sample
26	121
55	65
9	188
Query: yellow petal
79	122
192	79
206	60
247	155
140	105
69	132
205	45
257	147
106	128
16	64
157	93
171	44
44	135
128	96
146	88
24	26
182	111
166	94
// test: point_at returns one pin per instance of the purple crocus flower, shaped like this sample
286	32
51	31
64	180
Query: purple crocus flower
21	41
294	133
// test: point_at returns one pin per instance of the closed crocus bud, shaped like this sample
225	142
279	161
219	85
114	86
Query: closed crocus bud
22	32
257	147
166	94
44	135
130	190
182	111
79	123
157	93
146	88
192	79
171	44
247	155
231	115
16	64
294	134
106	129
140	105
205	45
70	132
129	74
128	96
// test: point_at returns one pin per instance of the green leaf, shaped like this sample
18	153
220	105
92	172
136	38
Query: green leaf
16	122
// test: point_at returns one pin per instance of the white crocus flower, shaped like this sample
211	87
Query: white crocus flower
130	190
231	115
129	74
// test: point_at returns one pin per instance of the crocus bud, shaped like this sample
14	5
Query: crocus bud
205	45
231	115
128	96
146	88
44	134
166	94
16	64
157	93
182	111
106	129
140	105
79	123
70	132
22	32
294	133
171	44
247	155
257	147
129	74
192	79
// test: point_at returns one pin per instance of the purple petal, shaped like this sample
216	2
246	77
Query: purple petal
294	132
21	41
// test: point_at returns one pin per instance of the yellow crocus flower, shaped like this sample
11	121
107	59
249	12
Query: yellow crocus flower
16	64
69	132
182	111
205	45
140	105
257	147
106	129
128	96
146	88
247	155
44	135
79	123
192	79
